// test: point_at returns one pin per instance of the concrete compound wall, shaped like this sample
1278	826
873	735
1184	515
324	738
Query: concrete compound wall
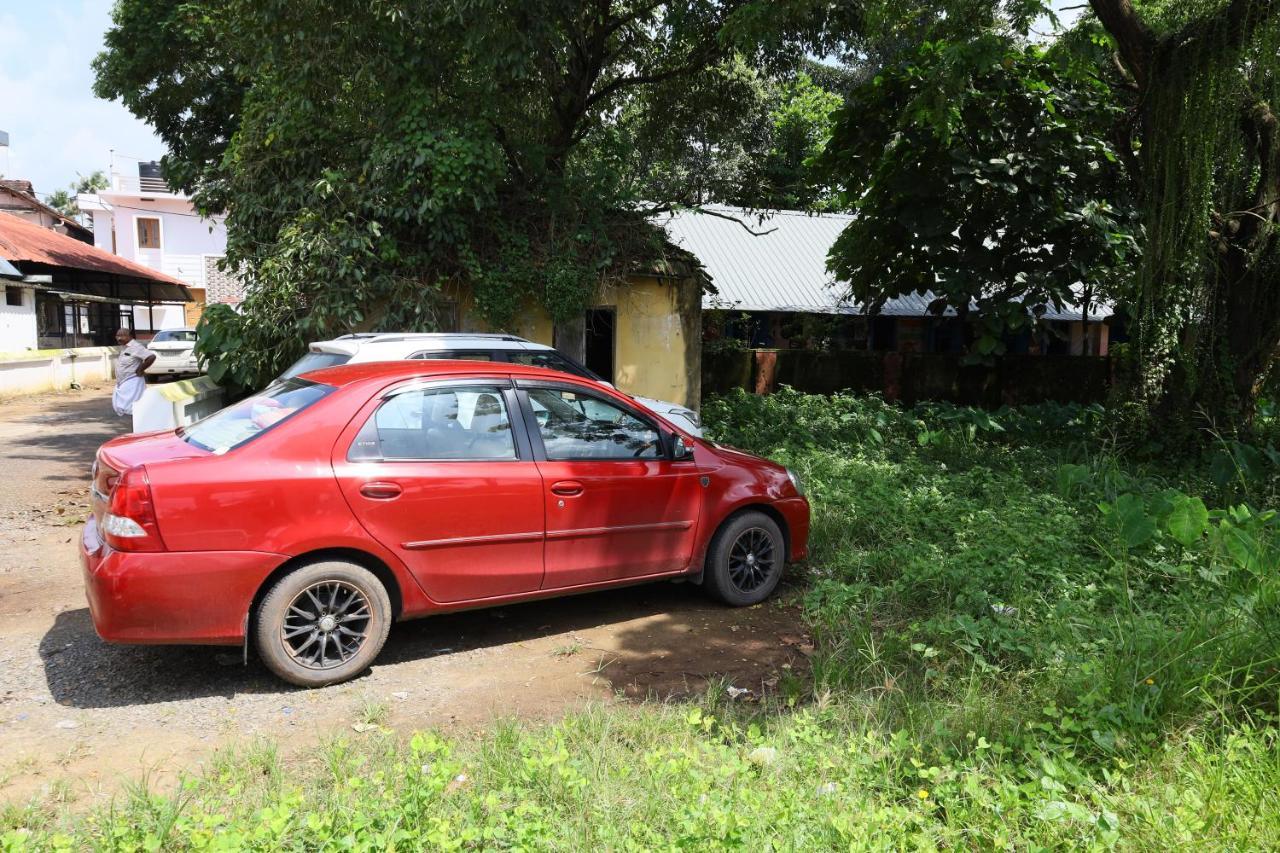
54	370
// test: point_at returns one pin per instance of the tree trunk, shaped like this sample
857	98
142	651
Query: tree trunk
1224	354
1236	348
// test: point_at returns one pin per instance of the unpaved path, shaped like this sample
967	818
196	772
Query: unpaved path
78	717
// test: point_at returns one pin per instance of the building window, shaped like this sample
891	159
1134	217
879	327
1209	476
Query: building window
148	232
13	296
884	334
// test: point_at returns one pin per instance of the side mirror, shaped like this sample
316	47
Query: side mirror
680	450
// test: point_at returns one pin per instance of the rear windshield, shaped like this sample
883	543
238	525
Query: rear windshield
315	361
174	335
551	360
249	418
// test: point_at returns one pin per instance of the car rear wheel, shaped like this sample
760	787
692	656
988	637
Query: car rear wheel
323	624
745	560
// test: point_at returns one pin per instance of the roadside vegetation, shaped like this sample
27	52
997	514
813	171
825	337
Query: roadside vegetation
1027	635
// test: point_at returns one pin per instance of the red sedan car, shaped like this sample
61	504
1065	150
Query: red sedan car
310	517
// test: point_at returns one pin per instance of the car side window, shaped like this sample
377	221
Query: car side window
544	358
456	423
461	355
575	425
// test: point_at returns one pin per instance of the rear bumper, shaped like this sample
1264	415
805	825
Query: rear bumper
199	597
796	512
173	370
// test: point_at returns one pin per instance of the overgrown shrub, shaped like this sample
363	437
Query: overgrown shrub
1019	551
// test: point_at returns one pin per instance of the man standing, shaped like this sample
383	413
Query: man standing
133	360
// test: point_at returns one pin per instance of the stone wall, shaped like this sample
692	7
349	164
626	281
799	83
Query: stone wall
221	286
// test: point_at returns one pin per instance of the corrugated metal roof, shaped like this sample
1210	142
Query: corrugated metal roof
25	242
783	266
26	197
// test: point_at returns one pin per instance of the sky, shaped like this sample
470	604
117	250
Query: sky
57	128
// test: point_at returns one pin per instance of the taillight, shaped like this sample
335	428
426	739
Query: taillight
130	523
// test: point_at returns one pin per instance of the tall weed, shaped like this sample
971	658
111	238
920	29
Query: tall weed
1020	552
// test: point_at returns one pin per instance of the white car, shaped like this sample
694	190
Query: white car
175	351
394	346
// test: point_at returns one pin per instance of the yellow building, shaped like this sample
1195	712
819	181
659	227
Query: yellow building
644	334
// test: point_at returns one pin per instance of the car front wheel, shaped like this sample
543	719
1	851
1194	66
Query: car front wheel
323	624
745	560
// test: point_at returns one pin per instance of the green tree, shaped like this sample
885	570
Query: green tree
64	201
737	136
367	155
982	174
802	114
1206	76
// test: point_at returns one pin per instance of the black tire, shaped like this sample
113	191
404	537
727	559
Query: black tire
745	560
329	598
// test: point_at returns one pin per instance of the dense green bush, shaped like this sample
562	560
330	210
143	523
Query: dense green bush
1017	550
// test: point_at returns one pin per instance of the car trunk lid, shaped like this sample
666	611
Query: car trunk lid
120	454
169	347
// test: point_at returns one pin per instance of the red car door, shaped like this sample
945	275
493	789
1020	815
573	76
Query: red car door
437	475
616	506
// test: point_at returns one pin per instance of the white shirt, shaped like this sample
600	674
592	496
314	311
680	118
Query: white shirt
131	355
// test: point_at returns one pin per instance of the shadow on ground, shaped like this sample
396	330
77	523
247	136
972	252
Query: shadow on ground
57	444
657	641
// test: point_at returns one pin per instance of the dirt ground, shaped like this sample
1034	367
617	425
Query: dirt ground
79	717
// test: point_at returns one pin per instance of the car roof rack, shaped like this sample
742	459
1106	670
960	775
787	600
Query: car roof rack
410	336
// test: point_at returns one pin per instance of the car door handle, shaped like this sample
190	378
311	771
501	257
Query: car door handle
381	491
567	488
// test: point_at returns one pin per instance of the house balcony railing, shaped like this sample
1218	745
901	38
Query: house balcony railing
135	185
139	177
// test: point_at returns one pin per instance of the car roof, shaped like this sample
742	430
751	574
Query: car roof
404	343
351	374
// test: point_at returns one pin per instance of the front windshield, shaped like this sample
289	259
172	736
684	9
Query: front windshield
551	360
251	417
175	335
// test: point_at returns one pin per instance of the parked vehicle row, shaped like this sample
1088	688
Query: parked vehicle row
310	517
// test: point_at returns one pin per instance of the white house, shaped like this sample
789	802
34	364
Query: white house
141	219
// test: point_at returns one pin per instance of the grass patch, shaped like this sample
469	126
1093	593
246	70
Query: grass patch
1026	637
660	777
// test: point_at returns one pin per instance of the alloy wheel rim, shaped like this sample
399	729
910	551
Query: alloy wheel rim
751	559
326	625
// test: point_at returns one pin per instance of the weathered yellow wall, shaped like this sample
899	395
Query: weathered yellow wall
657	346
653	349
531	323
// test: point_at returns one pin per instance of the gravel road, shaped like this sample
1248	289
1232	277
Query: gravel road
79	717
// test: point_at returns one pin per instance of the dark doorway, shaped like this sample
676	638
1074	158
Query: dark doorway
600	333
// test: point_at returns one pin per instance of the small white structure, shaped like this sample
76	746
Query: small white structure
176	404
140	218
17	311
